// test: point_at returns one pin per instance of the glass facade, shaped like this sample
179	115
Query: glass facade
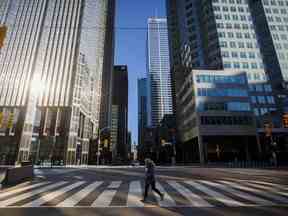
51	69
158	71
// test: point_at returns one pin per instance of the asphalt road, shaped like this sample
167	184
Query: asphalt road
118	191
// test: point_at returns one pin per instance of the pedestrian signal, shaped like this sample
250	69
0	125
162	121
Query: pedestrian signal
285	120
3	31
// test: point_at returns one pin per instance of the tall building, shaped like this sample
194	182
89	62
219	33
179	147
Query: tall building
107	79
142	111
119	122
158	71
50	73
223	39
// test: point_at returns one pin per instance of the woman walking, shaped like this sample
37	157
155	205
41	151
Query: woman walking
150	179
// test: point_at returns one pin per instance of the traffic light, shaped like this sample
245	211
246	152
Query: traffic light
285	120
3	31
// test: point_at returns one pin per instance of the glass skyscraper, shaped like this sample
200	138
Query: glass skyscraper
50	78
158	71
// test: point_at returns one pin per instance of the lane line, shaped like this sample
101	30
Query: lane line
195	200
77	197
30	194
256	191
105	198
50	196
135	195
238	193
168	201
18	190
214	194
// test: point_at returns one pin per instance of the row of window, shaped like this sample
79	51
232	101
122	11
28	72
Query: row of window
226	92
263	111
238	26
274	2
234	54
229	106
226	120
220	79
260	87
243	65
263	99
277	19
233	44
230	1
238	35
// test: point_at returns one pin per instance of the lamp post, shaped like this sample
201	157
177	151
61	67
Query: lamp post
99	142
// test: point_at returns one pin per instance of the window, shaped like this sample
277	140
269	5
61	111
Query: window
261	99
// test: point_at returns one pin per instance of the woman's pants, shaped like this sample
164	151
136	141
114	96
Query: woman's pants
147	185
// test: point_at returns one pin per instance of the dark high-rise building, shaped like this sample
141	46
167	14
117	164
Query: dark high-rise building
51	69
107	77
213	44
119	119
142	112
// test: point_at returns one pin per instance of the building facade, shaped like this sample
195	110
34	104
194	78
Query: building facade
158	71
222	36
142	112
119	125
107	79
51	73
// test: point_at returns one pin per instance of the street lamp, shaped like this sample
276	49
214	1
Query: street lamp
99	142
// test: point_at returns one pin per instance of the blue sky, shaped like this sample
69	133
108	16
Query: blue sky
130	45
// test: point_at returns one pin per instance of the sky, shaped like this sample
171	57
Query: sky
130	46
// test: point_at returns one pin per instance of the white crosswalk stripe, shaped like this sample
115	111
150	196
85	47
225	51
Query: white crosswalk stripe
239	193
256	191
106	197
18	190
30	194
194	199
135	195
168	201
197	193
218	196
51	196
77	197
268	188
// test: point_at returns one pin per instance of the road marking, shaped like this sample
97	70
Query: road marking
18	190
275	190
243	195
279	186
52	195
135	195
115	184
77	197
217	196
262	193
194	199
168	201
30	194
105	198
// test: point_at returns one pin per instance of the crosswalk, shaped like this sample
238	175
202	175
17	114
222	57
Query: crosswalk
104	194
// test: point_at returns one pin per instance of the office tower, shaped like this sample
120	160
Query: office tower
142	112
119	122
50	73
221	38
158	71
107	79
